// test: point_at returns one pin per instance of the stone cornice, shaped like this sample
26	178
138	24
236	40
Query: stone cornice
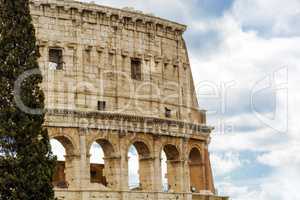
128	123
92	11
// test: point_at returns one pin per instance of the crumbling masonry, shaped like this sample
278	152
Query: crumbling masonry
121	78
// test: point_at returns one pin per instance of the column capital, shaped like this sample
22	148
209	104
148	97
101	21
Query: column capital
176	161
71	156
147	158
112	158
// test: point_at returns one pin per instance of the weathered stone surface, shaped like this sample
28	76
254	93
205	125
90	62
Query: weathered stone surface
121	78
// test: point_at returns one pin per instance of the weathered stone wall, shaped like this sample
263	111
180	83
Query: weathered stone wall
98	44
154	112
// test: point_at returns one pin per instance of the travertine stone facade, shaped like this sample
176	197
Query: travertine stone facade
121	78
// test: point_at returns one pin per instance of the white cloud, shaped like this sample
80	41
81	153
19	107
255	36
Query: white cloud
245	58
283	184
283	156
256	141
225	163
275	17
238	192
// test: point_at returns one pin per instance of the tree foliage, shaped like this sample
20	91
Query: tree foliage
26	162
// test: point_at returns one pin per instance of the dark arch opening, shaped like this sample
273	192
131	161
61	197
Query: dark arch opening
61	147
196	171
171	151
142	149
139	167
169	167
100	164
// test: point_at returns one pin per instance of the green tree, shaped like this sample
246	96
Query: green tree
26	161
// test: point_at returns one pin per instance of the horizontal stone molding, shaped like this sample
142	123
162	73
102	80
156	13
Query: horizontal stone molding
169	195
110	121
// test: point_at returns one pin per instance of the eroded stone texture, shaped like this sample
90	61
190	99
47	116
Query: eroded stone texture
121	78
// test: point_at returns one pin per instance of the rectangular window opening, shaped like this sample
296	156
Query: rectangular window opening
136	71
101	105
56	59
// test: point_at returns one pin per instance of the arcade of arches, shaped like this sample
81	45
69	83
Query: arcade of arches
104	161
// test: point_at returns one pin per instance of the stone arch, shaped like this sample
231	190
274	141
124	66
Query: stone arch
66	142
107	147
104	174
195	155
142	149
142	143
173	167
64	170
108	143
196	173
145	169
172	152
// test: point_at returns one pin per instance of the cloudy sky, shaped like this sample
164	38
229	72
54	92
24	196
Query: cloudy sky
245	56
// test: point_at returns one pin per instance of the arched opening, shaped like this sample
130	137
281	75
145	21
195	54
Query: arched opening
101	163
58	150
172	175
196	171
139	167
61	148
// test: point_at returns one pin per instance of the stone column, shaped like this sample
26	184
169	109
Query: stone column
176	175
112	172
146	173
208	172
72	171
123	169
157	173
84	161
123	177
185	168
196	175
186	177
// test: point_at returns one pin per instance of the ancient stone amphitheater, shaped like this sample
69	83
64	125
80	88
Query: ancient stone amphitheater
119	77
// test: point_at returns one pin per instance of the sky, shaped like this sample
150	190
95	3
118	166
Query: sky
245	58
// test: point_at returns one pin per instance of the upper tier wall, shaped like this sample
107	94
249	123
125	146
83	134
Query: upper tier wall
91	13
98	45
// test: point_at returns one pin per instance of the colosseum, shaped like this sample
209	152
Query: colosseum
121	78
